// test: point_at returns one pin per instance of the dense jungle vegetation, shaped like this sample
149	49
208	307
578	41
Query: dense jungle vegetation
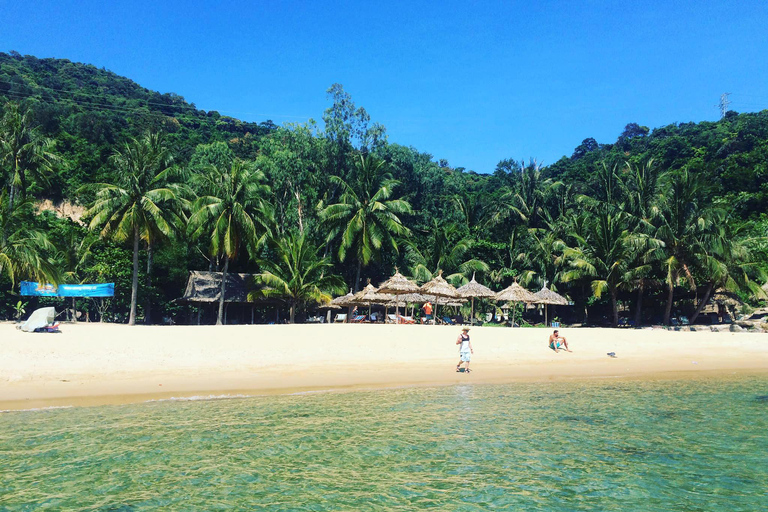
647	227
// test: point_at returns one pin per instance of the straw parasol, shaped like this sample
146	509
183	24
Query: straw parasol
439	287
546	296
515	293
398	285
329	306
342	301
474	289
370	295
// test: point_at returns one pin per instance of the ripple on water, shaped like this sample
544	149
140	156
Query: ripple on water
679	445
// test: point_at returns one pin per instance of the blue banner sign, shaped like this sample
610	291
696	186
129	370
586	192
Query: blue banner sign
67	290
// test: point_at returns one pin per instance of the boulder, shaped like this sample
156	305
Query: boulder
736	328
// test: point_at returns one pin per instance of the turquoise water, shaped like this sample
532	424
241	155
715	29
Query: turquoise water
668	445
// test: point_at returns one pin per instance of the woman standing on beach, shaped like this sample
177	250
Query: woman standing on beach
465	349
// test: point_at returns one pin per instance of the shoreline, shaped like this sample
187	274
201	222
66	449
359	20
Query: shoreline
100	364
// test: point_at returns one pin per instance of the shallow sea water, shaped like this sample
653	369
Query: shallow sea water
683	445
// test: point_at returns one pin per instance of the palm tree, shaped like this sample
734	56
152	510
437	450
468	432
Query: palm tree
23	248
729	264
641	190
141	204
525	204
605	256
443	250
544	259
230	213
297	274
23	152
366	216
688	231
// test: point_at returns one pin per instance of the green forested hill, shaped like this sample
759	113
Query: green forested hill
731	155
649	224
88	110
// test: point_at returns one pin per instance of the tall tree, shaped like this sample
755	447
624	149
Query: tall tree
687	229
297	274
230	212
366	216
605	256
141	205
25	155
25	251
444	250
524	203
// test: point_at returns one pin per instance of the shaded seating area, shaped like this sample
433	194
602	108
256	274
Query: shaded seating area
204	289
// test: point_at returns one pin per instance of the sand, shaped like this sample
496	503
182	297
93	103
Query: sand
89	364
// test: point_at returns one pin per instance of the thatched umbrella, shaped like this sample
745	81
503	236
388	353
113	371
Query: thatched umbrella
546	296
370	295
474	289
329	307
398	285
439	287
344	301
515	293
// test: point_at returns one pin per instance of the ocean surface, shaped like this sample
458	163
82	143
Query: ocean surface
683	445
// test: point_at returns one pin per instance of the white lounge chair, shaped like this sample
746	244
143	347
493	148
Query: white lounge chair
340	318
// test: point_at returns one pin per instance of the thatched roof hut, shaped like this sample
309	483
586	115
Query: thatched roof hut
205	287
474	289
398	284
439	287
343	300
547	296
515	293
370	295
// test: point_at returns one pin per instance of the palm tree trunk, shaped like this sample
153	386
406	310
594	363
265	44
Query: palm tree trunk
293	312
11	198
615	306
670	297
639	305
223	289
135	284
148	301
357	276
703	302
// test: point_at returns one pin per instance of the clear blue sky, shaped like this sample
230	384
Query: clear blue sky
471	82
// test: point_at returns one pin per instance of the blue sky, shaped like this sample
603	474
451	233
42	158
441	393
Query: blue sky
471	82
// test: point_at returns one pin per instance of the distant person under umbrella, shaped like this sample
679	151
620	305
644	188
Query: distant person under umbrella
427	309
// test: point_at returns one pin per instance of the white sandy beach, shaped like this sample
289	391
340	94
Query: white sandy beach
107	363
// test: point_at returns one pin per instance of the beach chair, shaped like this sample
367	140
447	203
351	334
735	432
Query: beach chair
358	319
405	319
340	318
448	321
390	319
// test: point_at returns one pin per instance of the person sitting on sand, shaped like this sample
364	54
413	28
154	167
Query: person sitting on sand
556	341
465	349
